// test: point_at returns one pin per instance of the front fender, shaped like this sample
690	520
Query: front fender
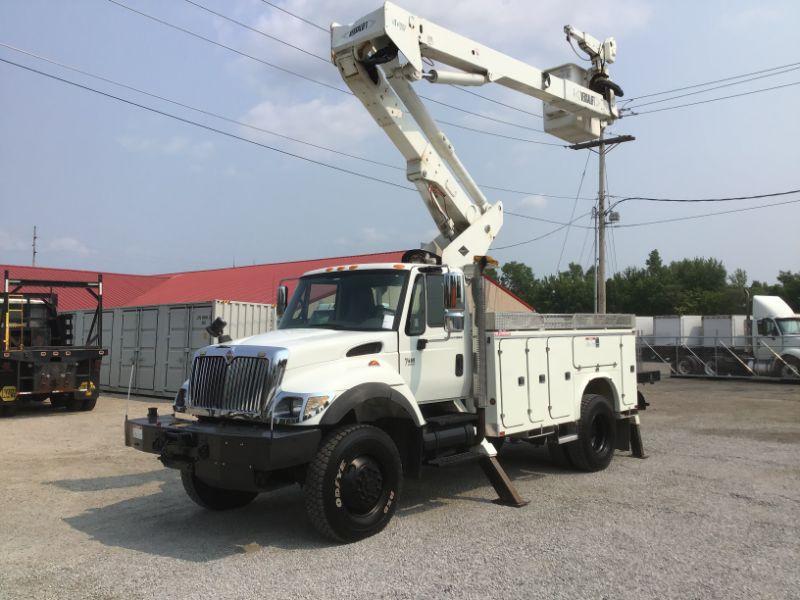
373	398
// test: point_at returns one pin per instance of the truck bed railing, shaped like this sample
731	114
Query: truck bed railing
526	321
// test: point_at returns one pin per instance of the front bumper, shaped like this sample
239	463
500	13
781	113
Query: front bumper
224	454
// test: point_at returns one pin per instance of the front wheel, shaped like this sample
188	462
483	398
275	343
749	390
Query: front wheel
596	431
353	484
214	498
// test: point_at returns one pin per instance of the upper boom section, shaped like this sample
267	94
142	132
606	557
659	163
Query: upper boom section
577	104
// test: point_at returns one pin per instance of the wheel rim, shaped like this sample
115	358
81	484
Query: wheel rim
599	437
788	371
362	485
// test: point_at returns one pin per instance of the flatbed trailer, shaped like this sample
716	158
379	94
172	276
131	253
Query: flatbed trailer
40	358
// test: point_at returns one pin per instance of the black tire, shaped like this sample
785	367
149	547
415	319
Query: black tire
214	498
789	369
353	484
88	404
73	404
559	455
8	409
596	430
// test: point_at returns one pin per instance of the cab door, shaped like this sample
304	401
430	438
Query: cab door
434	365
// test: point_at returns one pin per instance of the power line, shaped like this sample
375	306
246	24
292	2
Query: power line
488	99
208	127
541	237
697	85
466	91
199	110
725	199
721	212
717	87
572	214
758	91
214	129
250	126
540	219
296	16
500	135
255	30
305	77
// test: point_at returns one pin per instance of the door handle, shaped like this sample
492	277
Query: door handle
422	343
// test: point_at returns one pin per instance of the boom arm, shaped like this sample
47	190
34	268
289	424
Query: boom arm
367	54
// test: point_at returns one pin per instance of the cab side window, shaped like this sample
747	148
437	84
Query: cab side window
767	327
415	325
435	300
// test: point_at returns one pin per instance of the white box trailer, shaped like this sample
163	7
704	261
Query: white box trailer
674	330
644	329
159	341
728	329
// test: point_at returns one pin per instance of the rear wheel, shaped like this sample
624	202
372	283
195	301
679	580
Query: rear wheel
353	484
596	430
214	498
790	369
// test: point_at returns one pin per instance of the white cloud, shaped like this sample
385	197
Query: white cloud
338	124
69	245
535	201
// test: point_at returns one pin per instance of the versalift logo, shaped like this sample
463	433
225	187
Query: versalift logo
359	28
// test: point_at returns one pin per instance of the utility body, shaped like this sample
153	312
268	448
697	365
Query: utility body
379	369
40	357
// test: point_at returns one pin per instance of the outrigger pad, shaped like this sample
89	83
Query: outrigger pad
637	448
506	492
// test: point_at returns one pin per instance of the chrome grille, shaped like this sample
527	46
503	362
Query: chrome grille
238	387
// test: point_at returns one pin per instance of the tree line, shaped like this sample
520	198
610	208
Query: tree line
688	286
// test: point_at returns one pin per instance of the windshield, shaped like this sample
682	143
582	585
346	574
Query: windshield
363	301
789	326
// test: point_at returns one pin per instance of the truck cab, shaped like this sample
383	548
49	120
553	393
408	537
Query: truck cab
776	337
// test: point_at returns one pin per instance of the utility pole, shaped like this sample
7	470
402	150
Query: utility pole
600	272
33	245
600	234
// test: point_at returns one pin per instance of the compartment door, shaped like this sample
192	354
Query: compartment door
513	366
145	375
627	359
538	394
560	374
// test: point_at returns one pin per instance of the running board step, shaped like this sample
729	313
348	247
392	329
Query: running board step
566	439
454	459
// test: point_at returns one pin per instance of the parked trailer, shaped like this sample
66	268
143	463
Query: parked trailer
764	344
158	342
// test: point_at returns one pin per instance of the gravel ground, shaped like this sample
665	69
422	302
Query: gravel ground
712	513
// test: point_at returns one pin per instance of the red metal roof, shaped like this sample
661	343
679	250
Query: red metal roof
255	283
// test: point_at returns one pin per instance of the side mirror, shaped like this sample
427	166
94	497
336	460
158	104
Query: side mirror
453	320
283	299
453	291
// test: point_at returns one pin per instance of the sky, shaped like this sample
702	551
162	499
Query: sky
114	187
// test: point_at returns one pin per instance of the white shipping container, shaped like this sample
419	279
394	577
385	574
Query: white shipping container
728	329
158	342
673	329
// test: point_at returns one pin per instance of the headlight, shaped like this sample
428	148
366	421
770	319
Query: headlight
315	405
288	409
296	408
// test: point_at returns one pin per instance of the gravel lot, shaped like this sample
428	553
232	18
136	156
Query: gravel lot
714	512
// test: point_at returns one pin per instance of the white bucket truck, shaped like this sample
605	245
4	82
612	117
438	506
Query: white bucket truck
378	369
